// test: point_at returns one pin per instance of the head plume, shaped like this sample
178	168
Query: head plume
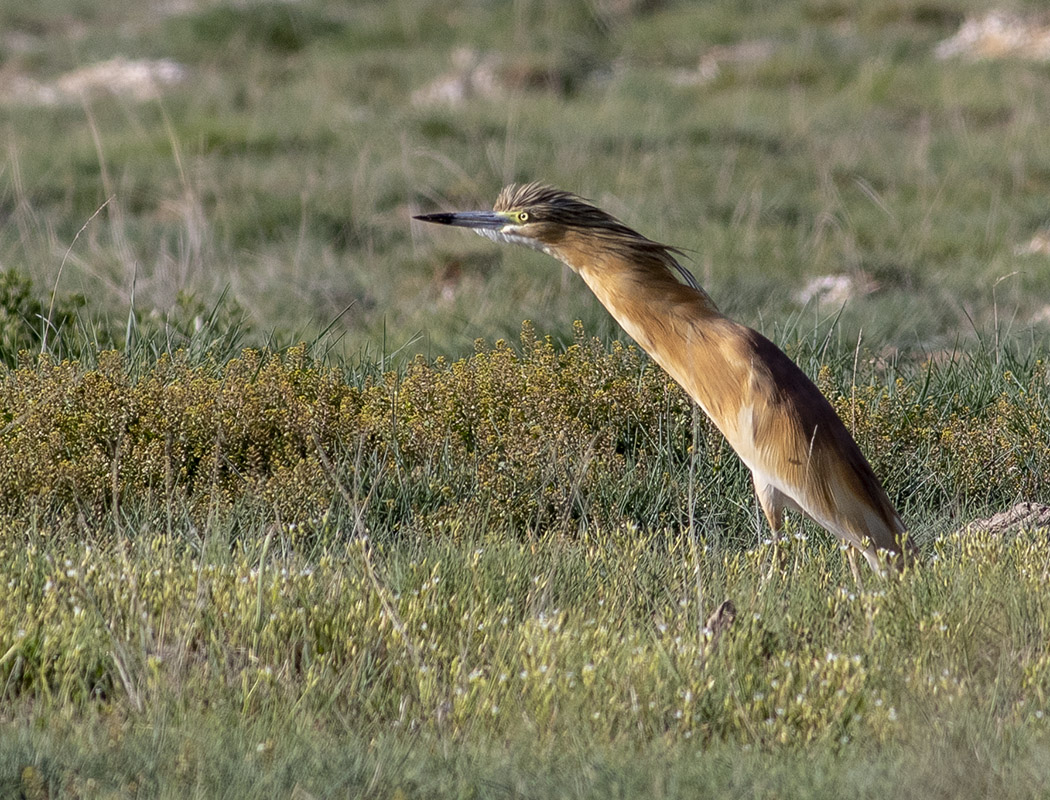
546	204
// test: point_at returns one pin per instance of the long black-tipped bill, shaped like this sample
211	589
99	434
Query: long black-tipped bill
466	219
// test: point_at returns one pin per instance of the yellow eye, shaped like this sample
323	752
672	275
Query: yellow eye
523	216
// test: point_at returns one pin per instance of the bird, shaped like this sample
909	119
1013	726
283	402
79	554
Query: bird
800	453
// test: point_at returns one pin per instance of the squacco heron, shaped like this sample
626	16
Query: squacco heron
800	454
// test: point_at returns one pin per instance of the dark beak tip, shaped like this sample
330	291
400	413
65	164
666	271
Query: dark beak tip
433	217
464	219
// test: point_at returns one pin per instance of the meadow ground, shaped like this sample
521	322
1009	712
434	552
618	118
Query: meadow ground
398	562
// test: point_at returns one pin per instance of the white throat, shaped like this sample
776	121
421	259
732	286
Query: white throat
513	238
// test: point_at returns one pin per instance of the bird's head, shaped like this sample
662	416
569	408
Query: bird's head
560	224
533	215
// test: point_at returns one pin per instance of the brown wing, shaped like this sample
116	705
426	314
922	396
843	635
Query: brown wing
803	449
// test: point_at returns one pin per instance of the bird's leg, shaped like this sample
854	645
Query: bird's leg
851	557
878	566
773	507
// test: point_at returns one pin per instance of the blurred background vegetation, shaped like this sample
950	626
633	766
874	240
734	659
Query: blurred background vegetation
811	156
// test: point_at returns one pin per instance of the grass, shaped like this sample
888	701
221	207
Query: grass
491	576
238	565
478	666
